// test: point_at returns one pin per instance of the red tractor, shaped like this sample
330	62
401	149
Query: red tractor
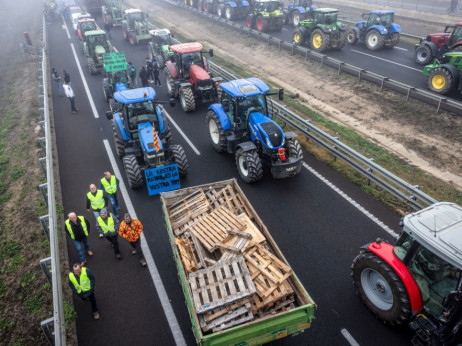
188	76
84	25
435	45
419	279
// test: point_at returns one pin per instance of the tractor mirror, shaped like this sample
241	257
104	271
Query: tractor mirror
172	102
281	94
109	115
211	52
225	105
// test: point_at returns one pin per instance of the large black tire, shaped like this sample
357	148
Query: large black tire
216	132
261	24
319	40
441	80
160	60
169	81
299	36
352	36
249	21
249	165
112	105
180	159
374	40
91	66
106	90
188	104
279	24
230	13
395	38
125	32
81	48
343	40
297	17
208	7
168	135
119	143
200	5
381	289
295	149
133	171
220	11
423	55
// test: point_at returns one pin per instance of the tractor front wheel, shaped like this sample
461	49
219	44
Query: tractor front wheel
319	41
381	289
91	66
423	55
119	143
261	24
180	159
248	22
441	80
216	132
295	149
187	99
297	17
249	165
170	83
168	135
374	40
352	37
299	37
230	13
134	174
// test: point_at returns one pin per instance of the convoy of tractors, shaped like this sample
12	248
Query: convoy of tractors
418	281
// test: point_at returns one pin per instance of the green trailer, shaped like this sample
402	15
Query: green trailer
186	211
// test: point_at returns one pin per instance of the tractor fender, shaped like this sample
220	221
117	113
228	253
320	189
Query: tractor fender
222	116
231	4
290	135
453	70
380	28
385	252
300	9
246	146
185	85
394	28
172	69
361	24
244	3
120	127
430	44
160	117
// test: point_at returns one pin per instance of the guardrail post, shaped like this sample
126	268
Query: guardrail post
384	79
43	189
45	263
42	127
43	144
42	101
306	55
42	161
439	104
370	170
359	74
43	221
340	64
409	92
42	113
46	329
322	61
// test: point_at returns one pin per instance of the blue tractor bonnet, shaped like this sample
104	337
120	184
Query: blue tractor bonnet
266	131
135	95
245	87
121	87
147	138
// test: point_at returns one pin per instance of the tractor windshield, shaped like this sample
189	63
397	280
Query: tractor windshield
330	18
163	39
136	17
139	113
269	6
192	59
386	19
249	105
88	26
434	276
456	36
99	40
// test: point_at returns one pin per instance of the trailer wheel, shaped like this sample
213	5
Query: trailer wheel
249	165
423	55
134	175
374	40
187	99
216	132
441	80
180	159
295	149
119	143
380	289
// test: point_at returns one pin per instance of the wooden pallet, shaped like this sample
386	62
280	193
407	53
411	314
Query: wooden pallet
226	317
188	209
227	197
221	284
276	300
257	236
235	243
211	229
187	255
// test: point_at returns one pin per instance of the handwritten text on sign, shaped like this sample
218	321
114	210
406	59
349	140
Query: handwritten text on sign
162	179
115	61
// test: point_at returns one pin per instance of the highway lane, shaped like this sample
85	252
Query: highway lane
317	230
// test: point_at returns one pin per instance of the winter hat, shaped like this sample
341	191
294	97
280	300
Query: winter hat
103	211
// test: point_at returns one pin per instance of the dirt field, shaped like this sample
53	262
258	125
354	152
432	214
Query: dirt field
410	130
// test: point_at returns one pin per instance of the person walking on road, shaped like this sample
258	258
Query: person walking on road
96	200
82	283
132	73
57	79
155	71
149	70
108	26
110	185
453	7
131	229
144	77
77	228
110	226
67	78
70	95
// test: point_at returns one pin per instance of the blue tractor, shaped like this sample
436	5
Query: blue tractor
298	10
142	135
377	31
241	124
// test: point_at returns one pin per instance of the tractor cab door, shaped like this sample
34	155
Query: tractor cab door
318	18
456	36
231	111
374	19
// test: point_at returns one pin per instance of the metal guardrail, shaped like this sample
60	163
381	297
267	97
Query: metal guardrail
439	101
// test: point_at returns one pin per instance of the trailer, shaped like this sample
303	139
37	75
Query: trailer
239	289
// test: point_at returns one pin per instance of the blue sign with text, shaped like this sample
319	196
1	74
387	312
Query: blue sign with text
161	179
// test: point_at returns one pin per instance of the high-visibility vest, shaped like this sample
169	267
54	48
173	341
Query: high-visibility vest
82	222
97	202
106	227
109	188
84	284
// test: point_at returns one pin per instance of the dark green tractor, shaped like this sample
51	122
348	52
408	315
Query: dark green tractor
113	11
322	32
94	47
266	15
445	74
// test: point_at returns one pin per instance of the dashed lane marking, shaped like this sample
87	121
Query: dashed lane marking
389	61
348	337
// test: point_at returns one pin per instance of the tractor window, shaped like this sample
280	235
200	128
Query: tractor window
456	35
139	113
232	106
403	245
319	17
374	19
386	19
331	18
136	17
247	106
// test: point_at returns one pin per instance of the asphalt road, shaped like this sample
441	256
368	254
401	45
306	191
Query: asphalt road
318	230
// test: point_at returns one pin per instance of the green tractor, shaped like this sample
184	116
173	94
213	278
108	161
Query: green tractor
161	40
266	15
445	75
95	46
322	32
135	27
113	12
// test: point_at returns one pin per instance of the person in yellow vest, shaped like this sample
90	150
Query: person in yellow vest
78	227
82	283
110	227
110	185
96	200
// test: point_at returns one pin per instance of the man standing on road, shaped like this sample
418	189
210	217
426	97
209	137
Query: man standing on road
110	185
57	79
144	77
132	73
67	78
96	200
155	71
82	283
78	228
149	70
131	229
453	6
108	26
110	226
70	95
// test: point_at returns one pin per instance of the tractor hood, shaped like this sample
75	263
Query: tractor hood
135	95
100	50
266	131
149	138
445	36
198	72
120	87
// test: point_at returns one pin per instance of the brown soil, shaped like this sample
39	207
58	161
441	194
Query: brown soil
410	130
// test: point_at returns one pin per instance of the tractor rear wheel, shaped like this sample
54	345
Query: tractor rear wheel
208	7
168	135
297	17
342	41
216	132
279	24
91	66
423	55
134	174
170	83
248	21
180	159
295	149
395	38
220	11
319	40
249	165
119	143
380	288
299	36
230	13
441	80
352	37
187	99
374	40
261	24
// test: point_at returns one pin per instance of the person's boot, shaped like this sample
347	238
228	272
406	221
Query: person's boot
143	262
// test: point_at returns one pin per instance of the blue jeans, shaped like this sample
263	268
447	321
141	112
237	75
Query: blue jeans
96	213
58	86
78	246
114	203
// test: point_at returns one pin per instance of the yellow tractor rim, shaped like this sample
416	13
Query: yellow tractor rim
297	37
438	81
191	2
317	40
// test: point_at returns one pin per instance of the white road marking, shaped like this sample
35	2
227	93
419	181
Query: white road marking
391	62
349	338
401	48
351	201
193	147
65	27
160	288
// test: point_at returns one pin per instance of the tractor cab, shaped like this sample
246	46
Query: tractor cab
268	6
456	34
384	18
118	80
327	16
97	43
190	61
161	37
133	16
84	25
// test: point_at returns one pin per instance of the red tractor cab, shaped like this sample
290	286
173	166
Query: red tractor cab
84	25
418	280
188	75
436	45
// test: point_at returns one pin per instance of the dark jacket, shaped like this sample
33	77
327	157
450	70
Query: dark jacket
143	74
94	194
77	229
67	78
91	276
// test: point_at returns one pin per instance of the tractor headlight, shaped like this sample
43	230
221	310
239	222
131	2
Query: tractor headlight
268	143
